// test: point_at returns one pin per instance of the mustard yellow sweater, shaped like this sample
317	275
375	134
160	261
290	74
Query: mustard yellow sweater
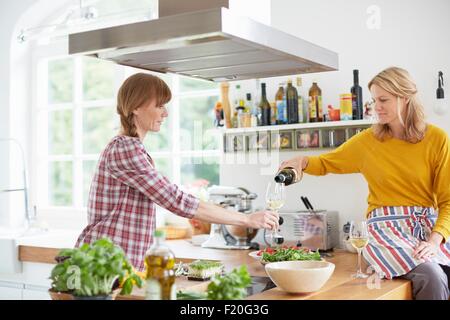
399	173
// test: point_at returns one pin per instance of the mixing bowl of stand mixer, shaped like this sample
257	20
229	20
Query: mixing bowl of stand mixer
237	199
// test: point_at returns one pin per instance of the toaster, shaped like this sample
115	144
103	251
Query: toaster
311	229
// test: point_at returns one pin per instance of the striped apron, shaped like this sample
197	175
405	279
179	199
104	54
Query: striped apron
394	233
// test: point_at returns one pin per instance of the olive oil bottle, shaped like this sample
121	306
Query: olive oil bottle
160	273
315	103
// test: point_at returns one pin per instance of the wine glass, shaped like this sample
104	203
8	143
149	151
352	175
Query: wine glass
359	238
275	198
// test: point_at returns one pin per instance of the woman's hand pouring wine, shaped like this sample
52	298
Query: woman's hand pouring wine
298	163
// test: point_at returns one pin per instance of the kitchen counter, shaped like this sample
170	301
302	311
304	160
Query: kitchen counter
339	286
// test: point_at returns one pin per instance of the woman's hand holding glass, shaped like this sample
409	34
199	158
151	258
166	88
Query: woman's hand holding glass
275	198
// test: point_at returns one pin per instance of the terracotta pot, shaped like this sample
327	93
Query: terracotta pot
68	296
60	295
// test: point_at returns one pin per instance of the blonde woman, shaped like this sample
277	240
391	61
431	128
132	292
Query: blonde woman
406	163
126	185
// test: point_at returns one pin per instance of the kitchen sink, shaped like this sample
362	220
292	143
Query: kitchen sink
10	239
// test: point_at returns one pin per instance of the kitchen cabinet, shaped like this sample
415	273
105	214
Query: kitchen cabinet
339	286
10	290
35	293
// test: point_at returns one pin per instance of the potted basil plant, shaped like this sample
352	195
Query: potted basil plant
99	270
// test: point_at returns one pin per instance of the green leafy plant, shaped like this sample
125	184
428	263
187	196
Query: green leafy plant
93	270
231	286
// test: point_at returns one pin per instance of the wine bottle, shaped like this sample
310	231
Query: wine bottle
357	99
264	105
315	103
288	176
281	105
302	114
291	103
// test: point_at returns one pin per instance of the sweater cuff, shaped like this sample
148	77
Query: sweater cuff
443	231
314	166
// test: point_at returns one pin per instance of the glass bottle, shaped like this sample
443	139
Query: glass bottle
280	101
291	103
302	110
264	105
357	99
315	103
160	273
288	176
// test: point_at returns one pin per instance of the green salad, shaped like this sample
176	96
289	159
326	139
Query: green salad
290	254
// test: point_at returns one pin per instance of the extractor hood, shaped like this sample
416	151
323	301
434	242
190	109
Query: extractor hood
213	44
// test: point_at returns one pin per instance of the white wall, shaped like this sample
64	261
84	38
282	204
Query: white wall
15	95
412	34
9	14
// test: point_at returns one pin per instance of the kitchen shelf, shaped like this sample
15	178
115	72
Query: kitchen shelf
310	125
289	137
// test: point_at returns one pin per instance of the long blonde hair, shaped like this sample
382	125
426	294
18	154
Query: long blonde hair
398	82
137	90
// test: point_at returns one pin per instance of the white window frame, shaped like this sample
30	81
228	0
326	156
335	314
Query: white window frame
76	214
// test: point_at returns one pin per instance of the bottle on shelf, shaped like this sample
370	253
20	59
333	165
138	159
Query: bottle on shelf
291	103
240	114
234	120
160	273
280	101
315	103
357	98
224	89
218	115
273	113
239	98
302	109
345	100
288	176
264	105
253	110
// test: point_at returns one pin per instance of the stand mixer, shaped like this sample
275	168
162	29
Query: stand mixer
227	236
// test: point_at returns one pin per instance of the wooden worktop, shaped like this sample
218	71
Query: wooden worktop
339	286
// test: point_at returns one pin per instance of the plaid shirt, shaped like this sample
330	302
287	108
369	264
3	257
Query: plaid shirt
122	199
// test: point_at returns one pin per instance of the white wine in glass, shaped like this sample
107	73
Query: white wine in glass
359	238
275	198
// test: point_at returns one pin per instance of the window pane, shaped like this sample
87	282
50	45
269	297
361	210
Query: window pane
189	84
60	183
164	167
99	126
60	132
200	168
98	79
60	81
88	173
159	141
197	125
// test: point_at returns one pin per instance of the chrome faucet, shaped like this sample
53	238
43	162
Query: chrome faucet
28	216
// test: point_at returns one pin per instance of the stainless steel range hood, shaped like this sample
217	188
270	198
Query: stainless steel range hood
213	44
